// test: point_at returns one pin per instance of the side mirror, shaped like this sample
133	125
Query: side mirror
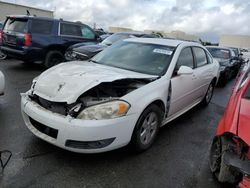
185	70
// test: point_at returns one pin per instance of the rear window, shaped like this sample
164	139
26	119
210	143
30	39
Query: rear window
17	25
76	30
41	26
70	29
219	53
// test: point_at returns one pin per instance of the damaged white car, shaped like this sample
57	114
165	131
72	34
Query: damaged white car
122	95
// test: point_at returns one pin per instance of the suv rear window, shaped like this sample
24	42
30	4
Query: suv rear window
76	30
17	25
70	29
41	26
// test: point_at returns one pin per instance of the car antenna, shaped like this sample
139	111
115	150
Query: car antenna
28	12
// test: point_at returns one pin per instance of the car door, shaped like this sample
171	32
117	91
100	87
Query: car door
182	85
203	72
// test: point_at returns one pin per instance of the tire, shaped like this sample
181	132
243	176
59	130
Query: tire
53	58
209	94
222	172
2	55
149	124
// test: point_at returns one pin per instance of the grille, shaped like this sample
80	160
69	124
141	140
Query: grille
56	107
44	129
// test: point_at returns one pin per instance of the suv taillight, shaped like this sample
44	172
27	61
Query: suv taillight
1	35
27	39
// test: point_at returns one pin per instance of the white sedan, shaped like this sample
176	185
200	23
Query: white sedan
2	83
122	95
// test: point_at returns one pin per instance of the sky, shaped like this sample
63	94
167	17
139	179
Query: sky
205	18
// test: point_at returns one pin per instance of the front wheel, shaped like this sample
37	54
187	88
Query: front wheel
222	172
147	128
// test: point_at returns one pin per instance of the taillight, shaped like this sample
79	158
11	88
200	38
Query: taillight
1	35
27	39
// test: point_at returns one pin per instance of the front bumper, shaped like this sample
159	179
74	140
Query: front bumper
25	54
61	130
234	160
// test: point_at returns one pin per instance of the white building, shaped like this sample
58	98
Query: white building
15	9
240	41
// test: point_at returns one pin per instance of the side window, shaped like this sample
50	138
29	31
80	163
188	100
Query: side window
70	29
200	56
209	58
87	33
232	53
41	26
185	58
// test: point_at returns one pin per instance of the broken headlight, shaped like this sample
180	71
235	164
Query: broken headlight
108	110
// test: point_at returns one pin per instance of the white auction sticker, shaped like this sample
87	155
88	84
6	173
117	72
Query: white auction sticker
162	51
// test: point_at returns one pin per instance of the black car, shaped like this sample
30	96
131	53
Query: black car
229	62
39	39
238	54
84	52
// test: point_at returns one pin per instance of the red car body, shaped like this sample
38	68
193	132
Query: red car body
236	119
236	123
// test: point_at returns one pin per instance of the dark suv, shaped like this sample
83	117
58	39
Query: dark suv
33	39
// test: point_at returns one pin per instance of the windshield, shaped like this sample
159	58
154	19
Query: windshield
219	53
114	38
17	25
235	51
144	58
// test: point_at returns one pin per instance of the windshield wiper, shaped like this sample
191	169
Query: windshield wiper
91	60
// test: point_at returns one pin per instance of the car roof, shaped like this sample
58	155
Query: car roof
42	18
131	33
219	47
161	41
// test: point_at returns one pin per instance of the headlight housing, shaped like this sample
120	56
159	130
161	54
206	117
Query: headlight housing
222	68
108	110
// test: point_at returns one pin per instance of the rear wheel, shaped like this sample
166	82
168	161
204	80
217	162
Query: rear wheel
222	172
147	128
53	58
209	94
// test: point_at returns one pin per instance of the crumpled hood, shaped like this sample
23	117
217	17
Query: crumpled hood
222	62
67	81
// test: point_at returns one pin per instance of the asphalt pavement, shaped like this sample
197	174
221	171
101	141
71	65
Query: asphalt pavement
179	157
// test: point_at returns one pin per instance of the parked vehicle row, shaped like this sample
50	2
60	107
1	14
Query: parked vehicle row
230	151
44	40
230	63
122	95
123	89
